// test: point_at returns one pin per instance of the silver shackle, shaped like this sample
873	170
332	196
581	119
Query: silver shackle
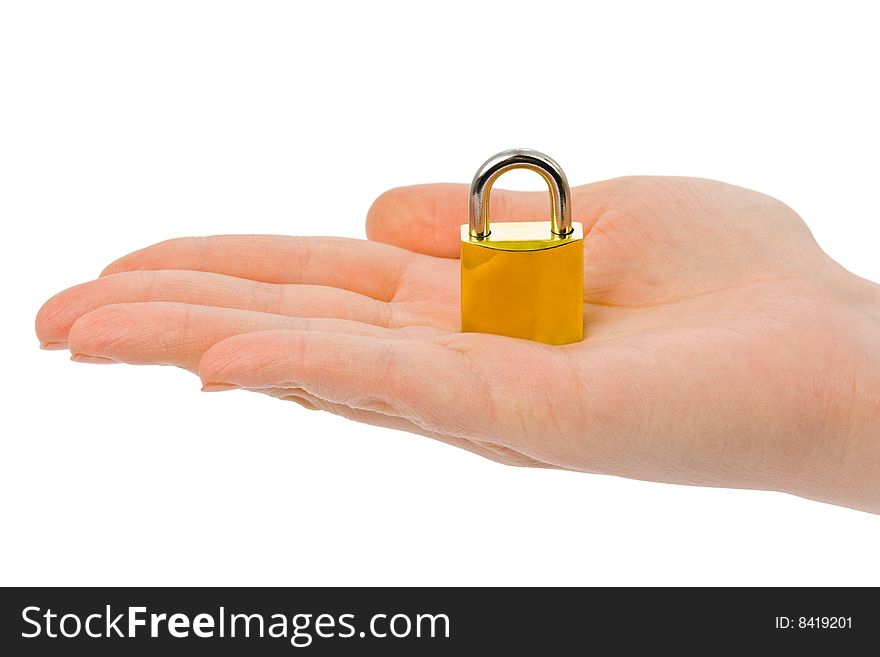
519	158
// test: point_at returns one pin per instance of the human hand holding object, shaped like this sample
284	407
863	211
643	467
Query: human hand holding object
721	346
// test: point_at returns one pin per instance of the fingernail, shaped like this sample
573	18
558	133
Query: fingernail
97	360
53	346
302	402
218	387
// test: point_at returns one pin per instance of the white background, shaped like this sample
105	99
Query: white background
125	123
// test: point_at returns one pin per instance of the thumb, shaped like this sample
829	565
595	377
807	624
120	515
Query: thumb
426	218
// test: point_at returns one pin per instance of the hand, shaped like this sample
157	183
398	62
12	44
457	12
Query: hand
722	347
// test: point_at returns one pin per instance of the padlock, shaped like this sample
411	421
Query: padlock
523	279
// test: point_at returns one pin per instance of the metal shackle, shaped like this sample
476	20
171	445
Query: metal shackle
519	158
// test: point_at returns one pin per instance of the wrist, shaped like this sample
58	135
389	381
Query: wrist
856	466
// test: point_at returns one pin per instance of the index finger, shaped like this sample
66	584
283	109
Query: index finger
361	266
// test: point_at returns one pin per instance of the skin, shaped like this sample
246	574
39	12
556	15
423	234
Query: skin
722	348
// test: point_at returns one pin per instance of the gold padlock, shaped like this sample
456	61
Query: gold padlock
523	279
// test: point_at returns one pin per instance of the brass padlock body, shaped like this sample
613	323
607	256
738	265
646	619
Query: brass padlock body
524	281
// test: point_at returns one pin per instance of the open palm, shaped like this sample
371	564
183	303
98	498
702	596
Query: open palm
722	346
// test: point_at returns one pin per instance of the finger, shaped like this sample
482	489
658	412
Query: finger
178	333
207	289
427	218
478	387
360	266
493	452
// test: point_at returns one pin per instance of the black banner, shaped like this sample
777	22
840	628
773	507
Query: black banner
406	621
